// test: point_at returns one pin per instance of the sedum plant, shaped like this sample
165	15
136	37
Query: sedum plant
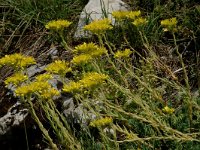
58	26
128	103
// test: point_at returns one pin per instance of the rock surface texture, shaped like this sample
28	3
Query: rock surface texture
14	117
98	9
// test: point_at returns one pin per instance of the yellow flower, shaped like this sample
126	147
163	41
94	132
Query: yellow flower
85	48
60	67
92	78
99	26
125	53
23	91
168	110
17	60
90	49
98	52
169	24
43	77
57	24
41	88
87	51
120	15
26	61
72	86
101	122
34	87
16	79
89	80
81	59
49	93
133	14
139	21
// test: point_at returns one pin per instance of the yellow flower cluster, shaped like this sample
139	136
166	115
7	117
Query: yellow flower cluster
60	67
57	24
139	21
98	52
169	24
33	87
123	54
120	15
92	78
85	48
41	88
89	80
87	52
17	60
44	77
16	79
49	93
99	26
72	87
168	110
134	15
101	122
81	59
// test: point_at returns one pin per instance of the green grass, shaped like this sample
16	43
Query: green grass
163	70
22	17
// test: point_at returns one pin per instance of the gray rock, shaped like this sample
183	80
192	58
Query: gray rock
95	10
78	114
14	117
81	114
34	70
68	106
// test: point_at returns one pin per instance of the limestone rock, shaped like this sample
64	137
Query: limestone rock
14	117
98	9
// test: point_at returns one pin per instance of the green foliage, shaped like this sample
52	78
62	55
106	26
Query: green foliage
24	16
143	99
45	10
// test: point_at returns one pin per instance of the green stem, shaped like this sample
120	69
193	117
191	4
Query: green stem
107	43
111	62
100	40
186	81
64	42
61	116
155	57
44	131
131	72
69	141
